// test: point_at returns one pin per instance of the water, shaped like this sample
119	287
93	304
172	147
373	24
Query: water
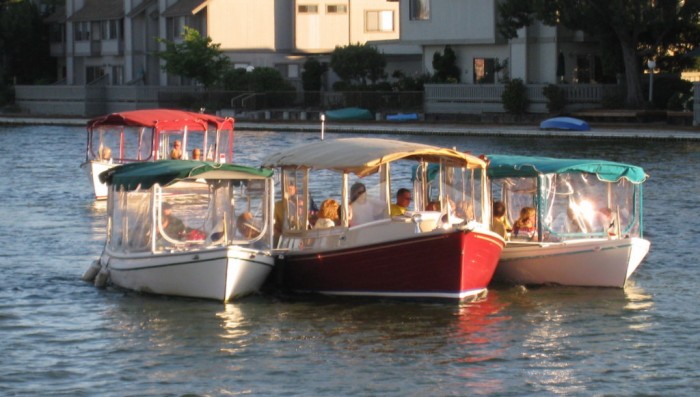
64	337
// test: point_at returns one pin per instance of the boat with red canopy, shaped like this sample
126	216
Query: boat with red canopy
150	135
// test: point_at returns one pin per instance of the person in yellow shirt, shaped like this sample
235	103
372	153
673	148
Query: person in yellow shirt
403	200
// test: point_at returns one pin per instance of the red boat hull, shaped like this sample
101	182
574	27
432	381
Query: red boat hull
454	265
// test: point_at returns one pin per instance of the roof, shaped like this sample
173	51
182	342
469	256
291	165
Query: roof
97	10
165	172
58	16
503	166
162	119
363	156
141	8
183	7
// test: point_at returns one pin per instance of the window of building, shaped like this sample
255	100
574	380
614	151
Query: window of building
293	71
117	75
379	21
419	10
93	73
485	70
81	31
307	9
110	30
56	32
336	9
176	27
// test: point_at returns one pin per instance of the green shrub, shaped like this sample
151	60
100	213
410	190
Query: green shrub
556	98
514	97
667	86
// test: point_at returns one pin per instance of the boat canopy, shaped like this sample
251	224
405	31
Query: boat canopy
503	166
162	119
364	156
165	172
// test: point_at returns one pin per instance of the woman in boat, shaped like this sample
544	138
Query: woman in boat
327	214
525	228
106	153
246	226
363	208
172	225
176	153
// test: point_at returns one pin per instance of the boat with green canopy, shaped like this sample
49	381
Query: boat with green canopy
187	228
587	224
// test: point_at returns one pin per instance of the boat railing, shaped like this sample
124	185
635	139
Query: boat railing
312	239
387	229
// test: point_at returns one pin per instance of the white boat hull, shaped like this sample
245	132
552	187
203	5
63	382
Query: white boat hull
586	262
223	273
93	170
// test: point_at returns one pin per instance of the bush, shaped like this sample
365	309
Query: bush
556	98
514	97
668	86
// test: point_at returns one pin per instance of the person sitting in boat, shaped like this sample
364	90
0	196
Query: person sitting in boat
197	154
106	153
403	200
172	226
245	223
525	228
176	153
328	214
606	221
498	224
363	208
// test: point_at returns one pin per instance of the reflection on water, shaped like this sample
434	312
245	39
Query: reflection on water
61	336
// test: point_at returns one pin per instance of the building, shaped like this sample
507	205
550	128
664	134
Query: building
540	53
112	42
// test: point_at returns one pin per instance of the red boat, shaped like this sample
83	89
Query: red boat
439	247
150	135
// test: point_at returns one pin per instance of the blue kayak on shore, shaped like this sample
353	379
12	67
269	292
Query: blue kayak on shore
565	123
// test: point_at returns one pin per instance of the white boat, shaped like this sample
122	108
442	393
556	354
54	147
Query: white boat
170	235
149	135
589	229
422	253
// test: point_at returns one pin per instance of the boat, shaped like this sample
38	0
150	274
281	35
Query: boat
148	135
588	229
349	114
442	248
187	228
565	123
402	117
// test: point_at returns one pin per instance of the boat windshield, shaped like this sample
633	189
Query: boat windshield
119	144
189	215
573	205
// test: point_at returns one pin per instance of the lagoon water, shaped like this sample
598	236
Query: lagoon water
61	336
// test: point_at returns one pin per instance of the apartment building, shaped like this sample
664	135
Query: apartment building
540	53
112	42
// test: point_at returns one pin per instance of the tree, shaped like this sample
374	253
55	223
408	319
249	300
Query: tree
312	73
445	66
641	29
311	81
24	44
358	63
262	80
196	57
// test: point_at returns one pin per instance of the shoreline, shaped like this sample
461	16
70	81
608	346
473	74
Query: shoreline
598	131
